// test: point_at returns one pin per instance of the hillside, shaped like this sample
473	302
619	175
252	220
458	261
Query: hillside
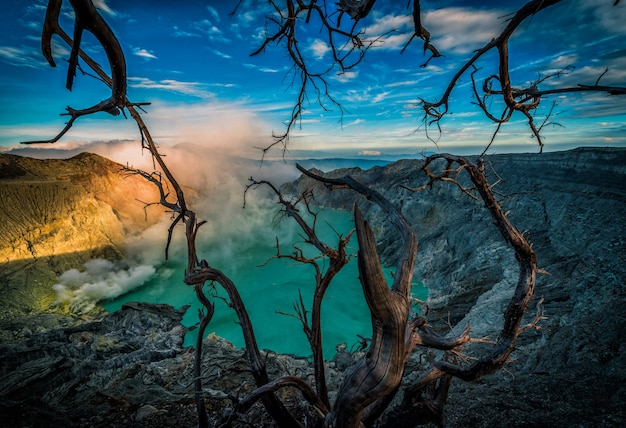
57	214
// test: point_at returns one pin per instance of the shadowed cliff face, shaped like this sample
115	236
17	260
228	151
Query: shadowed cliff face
56	215
572	206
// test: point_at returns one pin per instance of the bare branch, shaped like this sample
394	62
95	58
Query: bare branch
271	387
86	18
527	261
205	273
523	100
337	258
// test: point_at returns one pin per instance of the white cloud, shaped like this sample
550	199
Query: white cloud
369	153
563	60
402	83
389	32
214	14
462	30
380	97
249	14
182	33
394	41
22	57
104	7
261	69
144	53
209	29
346	76
195	89
610	17
221	54
319	48
354	122
455	29
355	96
388	23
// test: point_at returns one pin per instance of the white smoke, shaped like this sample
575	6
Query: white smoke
210	150
101	279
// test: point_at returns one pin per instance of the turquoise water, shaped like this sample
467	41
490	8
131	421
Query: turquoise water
268	287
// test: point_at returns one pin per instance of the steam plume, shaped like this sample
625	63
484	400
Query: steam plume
210	156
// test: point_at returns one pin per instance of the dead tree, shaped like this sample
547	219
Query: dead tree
86	17
370	386
337	258
344	23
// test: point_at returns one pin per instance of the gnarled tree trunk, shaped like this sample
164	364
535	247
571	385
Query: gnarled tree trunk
380	372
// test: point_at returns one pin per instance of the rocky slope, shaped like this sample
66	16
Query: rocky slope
572	205
57	214
129	369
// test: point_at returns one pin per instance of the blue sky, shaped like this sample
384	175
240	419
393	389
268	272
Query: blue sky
191	60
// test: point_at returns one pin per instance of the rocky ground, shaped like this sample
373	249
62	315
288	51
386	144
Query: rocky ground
130	369
572	205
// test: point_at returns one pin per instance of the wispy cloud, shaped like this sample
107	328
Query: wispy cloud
606	15
380	97
248	16
357	96
183	33
221	54
262	69
369	153
462	30
365	96
212	31
144	53
402	83
203	28
104	7
346	76
612	72
387	23
214	13
389	32
563	60
353	123
22	56
195	89
224	85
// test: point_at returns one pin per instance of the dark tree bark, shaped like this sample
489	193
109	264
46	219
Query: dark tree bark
257	365
381	370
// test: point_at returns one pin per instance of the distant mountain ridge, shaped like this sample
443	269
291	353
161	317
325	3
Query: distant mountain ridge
329	164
